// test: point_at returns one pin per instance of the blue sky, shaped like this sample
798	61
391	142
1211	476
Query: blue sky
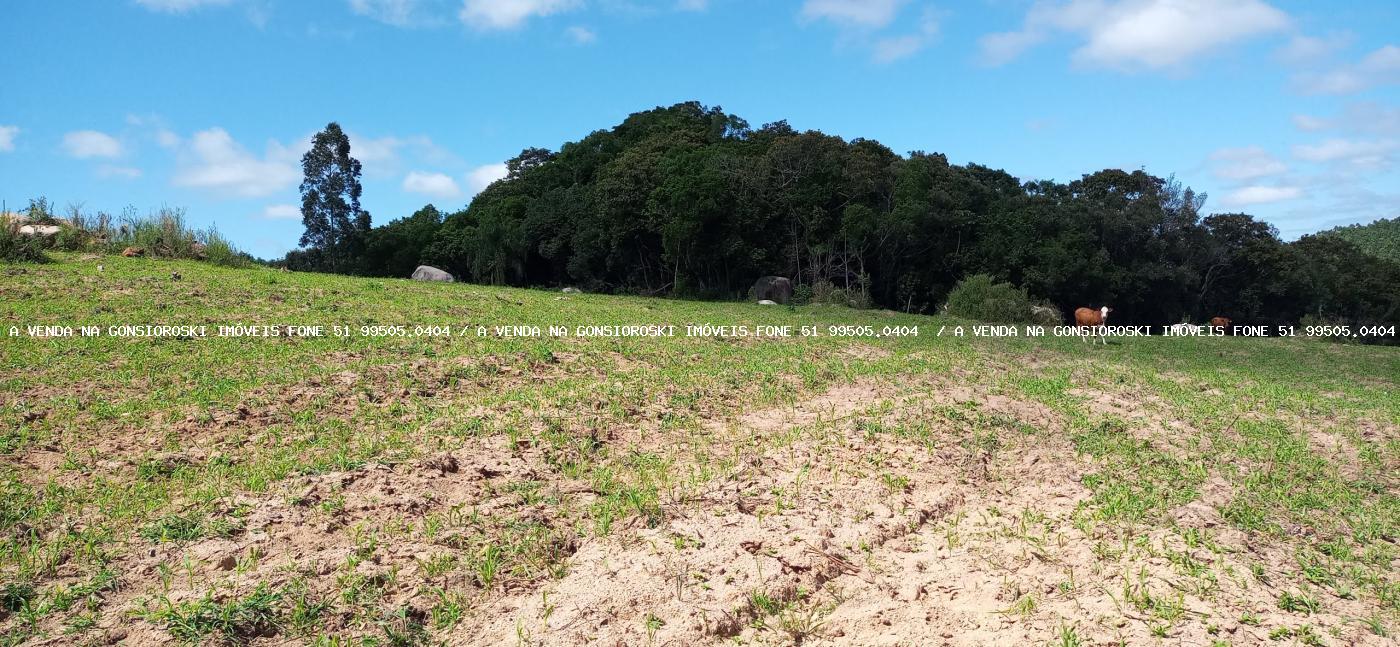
1287	110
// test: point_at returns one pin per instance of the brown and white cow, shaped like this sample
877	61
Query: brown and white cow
1094	321
1220	322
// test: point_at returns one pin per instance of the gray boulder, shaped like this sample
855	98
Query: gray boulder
773	288
571	291
766	302
428	273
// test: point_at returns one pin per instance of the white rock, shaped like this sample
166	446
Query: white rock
430	273
40	230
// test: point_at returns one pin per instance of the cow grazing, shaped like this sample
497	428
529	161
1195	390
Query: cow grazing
1094	321
1220	322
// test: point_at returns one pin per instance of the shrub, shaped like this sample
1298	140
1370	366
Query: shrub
163	234
72	239
980	297
1047	314
19	248
1320	321
801	295
40	211
219	251
856	296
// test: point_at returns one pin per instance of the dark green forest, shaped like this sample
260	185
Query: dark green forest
693	202
1380	238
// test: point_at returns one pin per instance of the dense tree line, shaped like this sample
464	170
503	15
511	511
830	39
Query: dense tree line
1380	238
691	201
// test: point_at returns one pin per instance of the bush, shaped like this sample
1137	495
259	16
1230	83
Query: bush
1320	321
801	295
163	234
856	296
219	251
1047	314
981	298
20	248
40	211
72	239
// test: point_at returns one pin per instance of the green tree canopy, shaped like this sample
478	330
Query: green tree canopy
330	200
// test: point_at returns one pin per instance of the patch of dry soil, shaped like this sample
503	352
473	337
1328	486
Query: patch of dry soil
868	515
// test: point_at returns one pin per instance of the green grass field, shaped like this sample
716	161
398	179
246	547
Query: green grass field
815	490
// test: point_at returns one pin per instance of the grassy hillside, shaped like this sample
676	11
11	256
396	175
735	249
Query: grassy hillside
1380	238
824	490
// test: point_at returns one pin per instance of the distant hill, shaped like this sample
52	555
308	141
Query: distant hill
1380	238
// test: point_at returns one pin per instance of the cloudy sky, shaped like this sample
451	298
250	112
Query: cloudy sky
1287	110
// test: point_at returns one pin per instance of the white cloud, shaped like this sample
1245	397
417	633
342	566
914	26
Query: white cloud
1248	163
871	14
1381	67
1002	48
1363	154
212	160
581	35
1370	117
888	50
437	185
398	13
384	156
482	176
1251	195
1366	117
281	212
1306	49
1128	34
7	138
109	171
85	144
893	48
371	151
1309	123
509	14
179	6
167	138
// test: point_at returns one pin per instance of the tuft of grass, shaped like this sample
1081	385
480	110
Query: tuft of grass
236	620
188	527
1375	625
1298	603
14	596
